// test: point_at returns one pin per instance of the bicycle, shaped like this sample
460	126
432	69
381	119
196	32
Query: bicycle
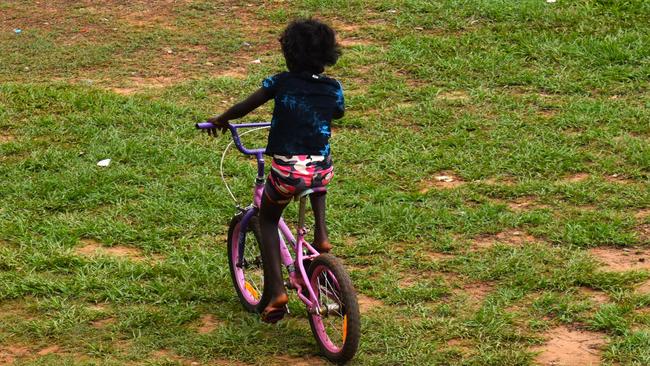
320	280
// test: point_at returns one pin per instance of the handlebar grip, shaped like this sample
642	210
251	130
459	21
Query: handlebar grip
205	125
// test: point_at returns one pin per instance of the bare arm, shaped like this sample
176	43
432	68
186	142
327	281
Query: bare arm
239	110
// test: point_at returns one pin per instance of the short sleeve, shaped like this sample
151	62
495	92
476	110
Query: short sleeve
340	100
270	84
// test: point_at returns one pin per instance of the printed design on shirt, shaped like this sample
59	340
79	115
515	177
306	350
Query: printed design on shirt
340	100
303	108
269	82
291	175
325	150
325	130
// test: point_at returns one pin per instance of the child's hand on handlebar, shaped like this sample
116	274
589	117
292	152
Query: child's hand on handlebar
220	125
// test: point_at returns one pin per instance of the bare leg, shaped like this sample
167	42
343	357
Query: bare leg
321	240
270	213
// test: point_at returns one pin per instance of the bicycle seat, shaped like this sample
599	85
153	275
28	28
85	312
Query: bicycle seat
309	191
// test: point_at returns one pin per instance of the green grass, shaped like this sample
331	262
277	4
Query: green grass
512	98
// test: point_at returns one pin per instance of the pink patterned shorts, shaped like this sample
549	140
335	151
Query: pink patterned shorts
291	175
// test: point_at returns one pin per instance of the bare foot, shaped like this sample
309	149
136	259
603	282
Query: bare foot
276	309
323	247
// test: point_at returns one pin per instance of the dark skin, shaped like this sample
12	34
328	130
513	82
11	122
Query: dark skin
270	212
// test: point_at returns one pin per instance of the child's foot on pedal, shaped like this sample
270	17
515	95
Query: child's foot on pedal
322	247
275	310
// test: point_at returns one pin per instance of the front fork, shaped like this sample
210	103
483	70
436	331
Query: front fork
249	212
298	278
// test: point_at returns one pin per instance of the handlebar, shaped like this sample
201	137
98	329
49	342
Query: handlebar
235	135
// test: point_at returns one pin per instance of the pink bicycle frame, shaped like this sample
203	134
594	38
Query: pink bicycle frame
297	273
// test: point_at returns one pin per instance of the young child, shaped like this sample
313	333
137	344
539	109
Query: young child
306	101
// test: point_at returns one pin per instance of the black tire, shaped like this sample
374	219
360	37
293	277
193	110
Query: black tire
250	290
348	310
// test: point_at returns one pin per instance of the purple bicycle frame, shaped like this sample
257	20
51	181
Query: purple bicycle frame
296	280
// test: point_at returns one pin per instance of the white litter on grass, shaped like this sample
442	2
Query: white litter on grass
551	1
104	163
258	61
444	178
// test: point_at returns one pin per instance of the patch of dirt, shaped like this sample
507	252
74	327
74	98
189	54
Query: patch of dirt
404	105
618	260
5	137
168	355
642	214
208	323
297	361
136	84
524	203
442	180
401	247
463	345
454	95
515	237
355	41
150	16
15	309
644	233
366	303
507	182
573	132
547	112
408	281
124	91
91	248
350	241
617	178
475	291
437	256
578	177
596	296
97	307
234	73
345	27
644	288
48	350
567	347
511	237
101	323
12	352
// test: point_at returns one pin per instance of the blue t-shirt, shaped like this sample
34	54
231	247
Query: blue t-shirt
305	105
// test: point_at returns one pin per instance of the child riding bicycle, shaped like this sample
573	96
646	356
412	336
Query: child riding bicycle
306	101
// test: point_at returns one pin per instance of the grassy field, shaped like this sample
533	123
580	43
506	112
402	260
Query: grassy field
535	250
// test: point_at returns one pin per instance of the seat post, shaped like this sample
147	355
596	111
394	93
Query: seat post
303	197
301	212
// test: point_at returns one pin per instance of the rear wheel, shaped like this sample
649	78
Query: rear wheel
337	328
246	271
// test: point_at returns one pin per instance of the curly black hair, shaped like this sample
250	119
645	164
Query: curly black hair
309	45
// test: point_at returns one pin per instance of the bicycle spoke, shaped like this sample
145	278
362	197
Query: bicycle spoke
333	292
328	294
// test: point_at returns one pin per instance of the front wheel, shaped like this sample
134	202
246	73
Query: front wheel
246	270
337	327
